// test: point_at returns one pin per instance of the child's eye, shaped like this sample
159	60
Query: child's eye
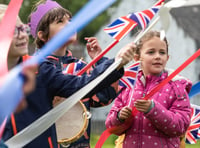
150	52
60	21
162	52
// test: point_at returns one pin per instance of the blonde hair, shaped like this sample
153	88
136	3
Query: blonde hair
3	9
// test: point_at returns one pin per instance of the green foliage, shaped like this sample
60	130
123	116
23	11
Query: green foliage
4	1
72	5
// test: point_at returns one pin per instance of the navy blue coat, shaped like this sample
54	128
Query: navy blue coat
52	82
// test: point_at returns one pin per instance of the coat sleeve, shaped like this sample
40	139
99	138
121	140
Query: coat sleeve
62	85
175	120
118	104
105	96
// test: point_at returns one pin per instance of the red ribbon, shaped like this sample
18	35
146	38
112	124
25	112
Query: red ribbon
7	27
118	130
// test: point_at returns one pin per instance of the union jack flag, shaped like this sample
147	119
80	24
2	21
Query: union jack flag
130	75
193	132
74	68
144	17
120	27
123	25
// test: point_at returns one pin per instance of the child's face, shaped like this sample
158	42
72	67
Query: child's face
19	45
57	25
153	56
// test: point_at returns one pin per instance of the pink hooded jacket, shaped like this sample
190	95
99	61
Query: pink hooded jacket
163	125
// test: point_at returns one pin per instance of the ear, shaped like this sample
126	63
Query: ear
167	57
40	36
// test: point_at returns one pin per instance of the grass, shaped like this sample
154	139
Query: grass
110	142
197	145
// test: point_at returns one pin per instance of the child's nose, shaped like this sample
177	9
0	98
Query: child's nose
22	34
157	55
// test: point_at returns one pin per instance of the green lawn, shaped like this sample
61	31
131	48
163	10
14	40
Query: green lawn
197	145
110	142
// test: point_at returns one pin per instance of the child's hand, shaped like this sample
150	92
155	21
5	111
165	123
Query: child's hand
125	113
126	53
143	105
57	100
93	47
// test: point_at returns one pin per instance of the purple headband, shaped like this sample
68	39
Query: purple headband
36	16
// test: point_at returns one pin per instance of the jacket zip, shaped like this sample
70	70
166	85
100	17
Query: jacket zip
140	124
140	135
140	116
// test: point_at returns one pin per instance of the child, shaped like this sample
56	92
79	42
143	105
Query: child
163	118
19	49
18	52
47	19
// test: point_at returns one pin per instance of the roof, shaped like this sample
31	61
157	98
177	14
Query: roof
188	19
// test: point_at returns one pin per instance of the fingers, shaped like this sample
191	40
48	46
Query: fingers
90	39
93	47
57	100
88	47
142	102
126	54
125	113
142	105
92	42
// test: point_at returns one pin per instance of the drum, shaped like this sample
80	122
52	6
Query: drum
72	125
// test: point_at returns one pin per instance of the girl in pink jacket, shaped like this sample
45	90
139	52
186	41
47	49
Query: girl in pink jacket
163	118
